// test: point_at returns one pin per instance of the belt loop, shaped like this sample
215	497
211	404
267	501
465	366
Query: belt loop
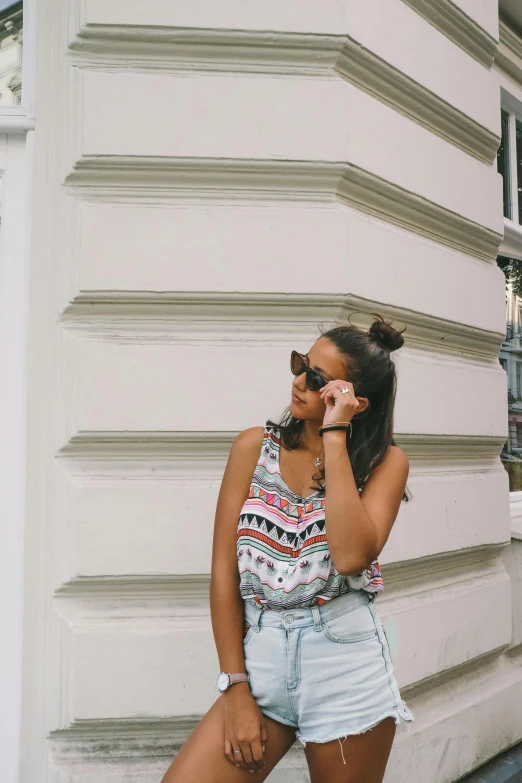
318	625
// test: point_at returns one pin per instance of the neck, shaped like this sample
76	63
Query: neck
312	440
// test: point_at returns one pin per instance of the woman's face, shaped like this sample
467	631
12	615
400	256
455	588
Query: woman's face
323	357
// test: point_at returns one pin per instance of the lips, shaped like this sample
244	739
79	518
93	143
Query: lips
296	398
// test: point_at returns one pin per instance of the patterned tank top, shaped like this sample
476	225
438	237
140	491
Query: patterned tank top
282	551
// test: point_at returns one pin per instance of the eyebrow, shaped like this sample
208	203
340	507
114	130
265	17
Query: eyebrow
319	369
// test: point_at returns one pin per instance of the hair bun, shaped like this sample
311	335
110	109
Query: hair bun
385	334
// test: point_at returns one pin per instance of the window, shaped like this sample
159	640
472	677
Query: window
11	38
509	165
503	164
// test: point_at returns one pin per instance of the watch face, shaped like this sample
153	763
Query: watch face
223	682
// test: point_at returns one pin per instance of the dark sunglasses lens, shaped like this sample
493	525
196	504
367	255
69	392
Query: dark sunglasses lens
297	365
314	382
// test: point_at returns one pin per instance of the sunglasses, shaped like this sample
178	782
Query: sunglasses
298	365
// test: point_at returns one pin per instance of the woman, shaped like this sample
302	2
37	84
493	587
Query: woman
301	647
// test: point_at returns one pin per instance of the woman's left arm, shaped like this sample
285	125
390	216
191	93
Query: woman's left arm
358	524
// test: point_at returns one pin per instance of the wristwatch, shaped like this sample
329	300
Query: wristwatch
224	681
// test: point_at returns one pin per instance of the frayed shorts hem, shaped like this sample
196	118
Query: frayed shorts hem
405	715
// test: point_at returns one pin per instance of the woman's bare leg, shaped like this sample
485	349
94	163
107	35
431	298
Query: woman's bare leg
366	756
202	760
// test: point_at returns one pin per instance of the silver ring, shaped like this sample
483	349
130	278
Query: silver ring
237	751
347	389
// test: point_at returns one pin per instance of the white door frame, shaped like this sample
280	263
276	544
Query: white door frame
16	143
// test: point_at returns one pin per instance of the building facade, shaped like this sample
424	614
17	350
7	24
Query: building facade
206	183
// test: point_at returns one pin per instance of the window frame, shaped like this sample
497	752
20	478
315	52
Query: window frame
511	246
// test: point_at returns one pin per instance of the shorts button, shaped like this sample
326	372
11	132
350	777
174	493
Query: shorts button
290	618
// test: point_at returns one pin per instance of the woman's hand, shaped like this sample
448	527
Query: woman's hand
339	406
245	728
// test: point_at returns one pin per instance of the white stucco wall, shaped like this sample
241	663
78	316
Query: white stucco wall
207	192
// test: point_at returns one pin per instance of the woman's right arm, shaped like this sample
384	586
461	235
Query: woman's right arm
244	722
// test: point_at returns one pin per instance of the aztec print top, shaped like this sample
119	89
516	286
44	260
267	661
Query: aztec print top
282	552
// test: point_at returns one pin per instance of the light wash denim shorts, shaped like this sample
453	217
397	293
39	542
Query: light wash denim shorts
325	670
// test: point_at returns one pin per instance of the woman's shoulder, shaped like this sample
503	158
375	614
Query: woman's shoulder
397	455
249	441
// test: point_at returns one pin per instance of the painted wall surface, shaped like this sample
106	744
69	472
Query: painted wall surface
212	181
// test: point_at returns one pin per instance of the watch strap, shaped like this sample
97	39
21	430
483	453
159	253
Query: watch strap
240	677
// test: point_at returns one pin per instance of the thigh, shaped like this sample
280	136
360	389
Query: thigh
201	759
366	756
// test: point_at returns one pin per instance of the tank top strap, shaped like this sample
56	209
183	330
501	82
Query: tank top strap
268	457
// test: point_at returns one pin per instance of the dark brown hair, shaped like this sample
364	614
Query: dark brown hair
371	370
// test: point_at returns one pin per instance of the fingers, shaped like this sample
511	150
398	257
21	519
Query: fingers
234	758
331	394
251	756
257	754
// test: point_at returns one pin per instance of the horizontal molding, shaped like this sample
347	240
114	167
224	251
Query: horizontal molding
167	48
509	53
254	317
512	243
137	602
458	27
124	178
385	200
198	447
122	743
510	38
141	599
193	587
179	48
390	85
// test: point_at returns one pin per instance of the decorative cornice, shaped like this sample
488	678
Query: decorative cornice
158	178
127	741
509	38
141	598
255	317
189	317
178	48
426	449
511	246
391	86
166	48
155	586
389	202
204	178
509	53
193	445
212	446
458	570
458	27
16	123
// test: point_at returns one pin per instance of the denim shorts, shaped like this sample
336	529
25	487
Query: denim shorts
325	670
